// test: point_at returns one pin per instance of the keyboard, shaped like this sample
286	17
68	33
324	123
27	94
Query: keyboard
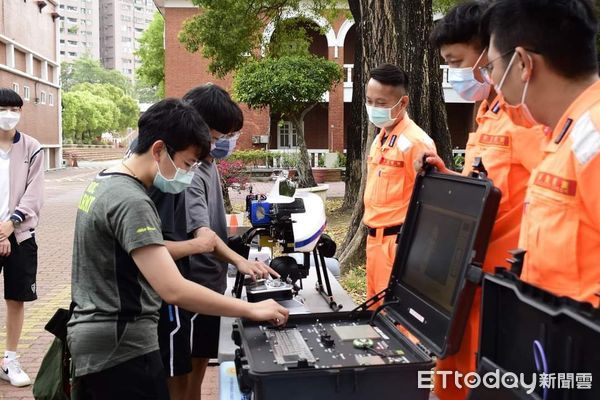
289	347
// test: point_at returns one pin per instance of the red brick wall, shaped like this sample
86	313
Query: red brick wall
315	128
184	71
37	120
23	22
324	127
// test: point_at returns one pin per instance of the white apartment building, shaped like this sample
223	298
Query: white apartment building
122	23
79	29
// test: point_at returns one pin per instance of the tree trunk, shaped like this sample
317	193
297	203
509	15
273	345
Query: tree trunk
395	32
226	199
421	61
305	176
355	139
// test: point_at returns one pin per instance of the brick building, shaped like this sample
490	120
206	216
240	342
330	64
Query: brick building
325	124
29	64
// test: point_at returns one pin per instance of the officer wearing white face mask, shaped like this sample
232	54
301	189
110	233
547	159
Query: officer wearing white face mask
390	173
508	152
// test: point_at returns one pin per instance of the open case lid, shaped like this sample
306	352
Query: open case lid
516	316
439	256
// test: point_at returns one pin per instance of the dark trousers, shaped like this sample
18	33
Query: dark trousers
140	378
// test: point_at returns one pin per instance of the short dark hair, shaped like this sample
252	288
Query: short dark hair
10	98
391	75
460	24
562	31
177	124
216	107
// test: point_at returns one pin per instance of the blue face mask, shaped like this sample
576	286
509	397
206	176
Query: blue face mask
465	84
224	147
177	184
381	117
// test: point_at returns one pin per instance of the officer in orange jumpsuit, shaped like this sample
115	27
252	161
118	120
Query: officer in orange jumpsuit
508	152
544	61
390	176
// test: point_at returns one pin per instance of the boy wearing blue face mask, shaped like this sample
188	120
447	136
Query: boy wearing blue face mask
508	152
122	268
205	208
390	176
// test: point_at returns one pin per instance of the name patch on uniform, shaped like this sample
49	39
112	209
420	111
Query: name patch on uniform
556	183
495	140
392	163
392	140
496	107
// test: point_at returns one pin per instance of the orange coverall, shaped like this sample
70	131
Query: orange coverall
390	180
561	218
509	153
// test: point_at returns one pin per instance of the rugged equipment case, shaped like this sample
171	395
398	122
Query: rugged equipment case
514	315
446	230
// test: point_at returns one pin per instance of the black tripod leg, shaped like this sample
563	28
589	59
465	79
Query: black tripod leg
327	293
238	285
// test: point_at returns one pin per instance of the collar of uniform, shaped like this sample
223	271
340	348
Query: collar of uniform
17	137
397	131
487	111
400	126
565	124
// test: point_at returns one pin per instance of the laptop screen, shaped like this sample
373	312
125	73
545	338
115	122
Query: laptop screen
440	248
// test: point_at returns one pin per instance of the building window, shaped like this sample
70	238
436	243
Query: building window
42	97
287	136
50	99
26	95
15	87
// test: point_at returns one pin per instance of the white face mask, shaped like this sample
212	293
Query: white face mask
381	117
465	84
9	120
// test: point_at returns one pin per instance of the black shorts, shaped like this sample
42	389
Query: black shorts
174	339
139	378
20	269
205	336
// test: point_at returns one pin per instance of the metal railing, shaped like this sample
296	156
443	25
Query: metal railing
284	159
348	69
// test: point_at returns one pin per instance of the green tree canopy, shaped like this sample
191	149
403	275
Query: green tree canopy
289	86
152	54
286	85
86	115
128	109
229	32
88	70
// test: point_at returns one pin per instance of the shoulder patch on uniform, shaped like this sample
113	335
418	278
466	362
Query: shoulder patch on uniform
427	140
404	143
585	138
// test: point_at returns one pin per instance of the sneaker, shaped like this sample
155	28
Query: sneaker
11	371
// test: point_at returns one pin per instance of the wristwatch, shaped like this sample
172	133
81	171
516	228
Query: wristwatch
16	222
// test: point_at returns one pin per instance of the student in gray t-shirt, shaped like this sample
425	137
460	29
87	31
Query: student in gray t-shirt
204	202
121	265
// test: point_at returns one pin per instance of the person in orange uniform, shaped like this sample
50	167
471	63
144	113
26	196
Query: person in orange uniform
544	61
390	176
509	153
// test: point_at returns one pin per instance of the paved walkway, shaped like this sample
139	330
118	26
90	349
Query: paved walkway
55	241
